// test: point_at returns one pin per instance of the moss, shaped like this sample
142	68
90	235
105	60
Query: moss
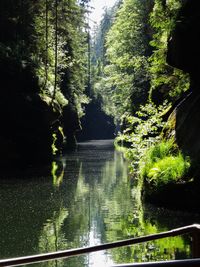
169	130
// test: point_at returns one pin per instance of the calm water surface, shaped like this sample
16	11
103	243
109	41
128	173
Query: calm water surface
85	198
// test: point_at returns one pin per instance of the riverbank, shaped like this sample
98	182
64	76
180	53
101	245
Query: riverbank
184	197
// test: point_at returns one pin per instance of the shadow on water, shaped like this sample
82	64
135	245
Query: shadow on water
85	198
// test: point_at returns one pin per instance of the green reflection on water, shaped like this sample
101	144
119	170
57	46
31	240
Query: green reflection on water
92	200
57	172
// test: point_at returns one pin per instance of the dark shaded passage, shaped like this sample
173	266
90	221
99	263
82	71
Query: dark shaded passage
96	125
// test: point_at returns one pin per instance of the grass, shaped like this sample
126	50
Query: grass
163	164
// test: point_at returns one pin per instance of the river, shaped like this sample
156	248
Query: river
85	198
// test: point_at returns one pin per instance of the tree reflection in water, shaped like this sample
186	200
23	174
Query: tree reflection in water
92	200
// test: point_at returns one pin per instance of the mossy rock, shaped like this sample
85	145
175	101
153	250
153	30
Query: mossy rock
182	196
169	130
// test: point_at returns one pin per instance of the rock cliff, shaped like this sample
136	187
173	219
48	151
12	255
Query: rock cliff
184	53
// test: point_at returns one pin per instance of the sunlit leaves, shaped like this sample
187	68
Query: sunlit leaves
142	131
165	78
124	82
33	41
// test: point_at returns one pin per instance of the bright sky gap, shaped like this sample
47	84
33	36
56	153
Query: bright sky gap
98	9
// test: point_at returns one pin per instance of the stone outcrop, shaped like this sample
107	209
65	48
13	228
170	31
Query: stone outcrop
184	53
71	125
184	122
27	120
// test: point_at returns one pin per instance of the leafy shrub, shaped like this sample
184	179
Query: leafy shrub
142	131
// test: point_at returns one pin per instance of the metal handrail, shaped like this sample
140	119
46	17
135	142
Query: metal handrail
194	229
175	263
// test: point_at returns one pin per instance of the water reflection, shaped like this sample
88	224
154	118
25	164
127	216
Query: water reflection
86	199
57	172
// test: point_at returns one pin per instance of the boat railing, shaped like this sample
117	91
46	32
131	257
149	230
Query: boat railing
193	230
174	263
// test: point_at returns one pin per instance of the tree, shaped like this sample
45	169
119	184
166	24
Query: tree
166	82
43	67
125	77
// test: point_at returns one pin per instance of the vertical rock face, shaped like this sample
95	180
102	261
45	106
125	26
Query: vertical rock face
27	121
71	125
184	45
184	53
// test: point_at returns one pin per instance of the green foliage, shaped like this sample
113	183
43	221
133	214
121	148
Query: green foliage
100	84
163	163
123	82
160	151
53	146
166	81
43	62
135	79
28	36
142	130
132	66
169	169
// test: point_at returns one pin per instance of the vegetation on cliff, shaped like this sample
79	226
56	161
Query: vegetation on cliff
140	89
43	75
50	67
